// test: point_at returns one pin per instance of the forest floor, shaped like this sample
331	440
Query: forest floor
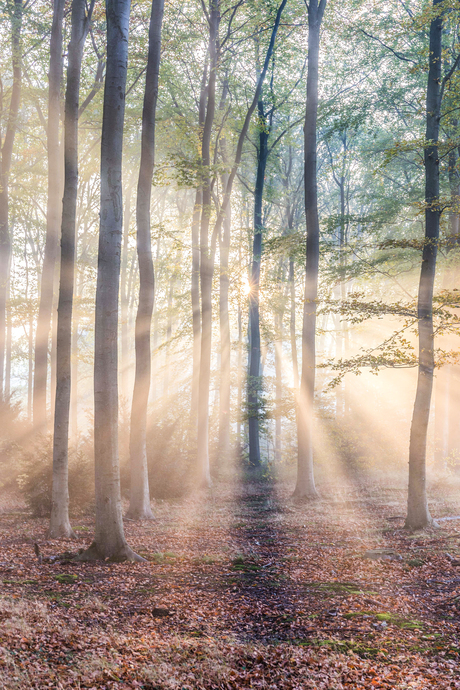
241	589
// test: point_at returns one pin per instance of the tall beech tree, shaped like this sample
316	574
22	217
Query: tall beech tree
53	219
305	485
59	523
109	541
206	258
418	514
254	383
207	249
139	506
15	10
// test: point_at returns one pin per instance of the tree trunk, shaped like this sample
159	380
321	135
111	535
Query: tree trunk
292	333
206	260
206	251
305	486
60	523
53	221
278	384
110	540
195	286
254	373
418	514
139	505
224	325
195	294
9	338
31	370
16	12
124	300
74	382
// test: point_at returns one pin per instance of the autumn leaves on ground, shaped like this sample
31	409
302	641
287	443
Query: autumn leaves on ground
241	589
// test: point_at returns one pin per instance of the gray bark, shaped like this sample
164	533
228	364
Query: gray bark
418	514
206	260
110	540
207	251
224	325
305	486
139	506
60	523
16	12
53	221
195	282
254	372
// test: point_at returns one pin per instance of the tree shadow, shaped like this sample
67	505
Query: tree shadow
259	582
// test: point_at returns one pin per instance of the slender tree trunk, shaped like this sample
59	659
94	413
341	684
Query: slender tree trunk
195	286
225	343
305	486
418	514
52	353
168	344
124	300
53	221
9	334
60	523
195	294
31	369
206	260
139	506
110	540
207	250
254	373
292	333
74	381
16	12
278	384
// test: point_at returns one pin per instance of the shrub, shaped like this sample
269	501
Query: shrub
35	480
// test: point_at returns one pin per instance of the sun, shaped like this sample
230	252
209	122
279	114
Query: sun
246	286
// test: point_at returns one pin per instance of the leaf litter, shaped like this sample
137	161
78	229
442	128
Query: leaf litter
241	589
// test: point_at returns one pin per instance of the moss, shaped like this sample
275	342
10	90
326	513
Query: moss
347	645
160	558
66	578
338	587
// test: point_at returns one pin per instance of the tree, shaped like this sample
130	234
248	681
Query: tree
254	384
305	486
207	249
418	514
139	506
59	523
16	12
53	219
109	539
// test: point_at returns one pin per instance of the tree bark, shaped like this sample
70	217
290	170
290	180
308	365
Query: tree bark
207	252
53	221
16	12
292	332
110	540
195	282
418	514
254	374
60	523
305	486
124	299
139	506
224	324
206	260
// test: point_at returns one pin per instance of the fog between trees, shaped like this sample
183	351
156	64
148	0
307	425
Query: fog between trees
257	209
